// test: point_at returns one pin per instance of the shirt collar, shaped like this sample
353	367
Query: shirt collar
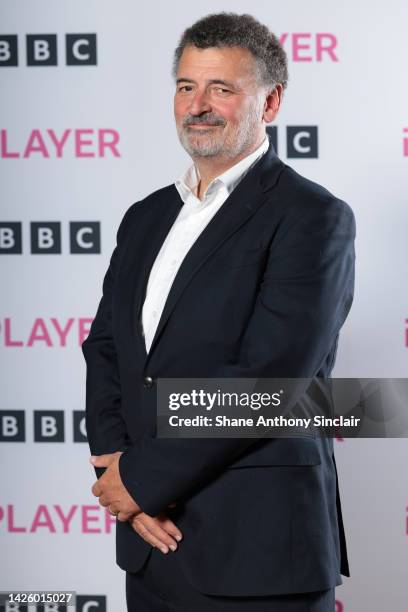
187	183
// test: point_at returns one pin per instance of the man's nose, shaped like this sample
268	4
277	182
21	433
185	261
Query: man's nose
200	103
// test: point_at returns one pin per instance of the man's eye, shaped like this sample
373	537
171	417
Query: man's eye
185	88
222	90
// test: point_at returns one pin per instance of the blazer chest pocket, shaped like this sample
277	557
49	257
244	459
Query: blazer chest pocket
281	451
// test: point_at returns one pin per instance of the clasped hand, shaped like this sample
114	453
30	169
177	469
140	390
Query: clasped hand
159	531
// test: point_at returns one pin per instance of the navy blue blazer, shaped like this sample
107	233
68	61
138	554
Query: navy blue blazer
263	292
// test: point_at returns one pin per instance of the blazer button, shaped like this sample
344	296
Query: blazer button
148	382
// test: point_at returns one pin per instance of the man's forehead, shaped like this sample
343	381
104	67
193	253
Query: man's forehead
226	63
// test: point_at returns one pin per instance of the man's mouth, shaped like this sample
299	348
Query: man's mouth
202	125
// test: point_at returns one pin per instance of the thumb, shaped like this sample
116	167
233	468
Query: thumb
102	460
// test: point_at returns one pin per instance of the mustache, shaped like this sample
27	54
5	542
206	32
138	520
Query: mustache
208	118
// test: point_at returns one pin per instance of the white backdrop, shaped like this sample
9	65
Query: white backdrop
53	536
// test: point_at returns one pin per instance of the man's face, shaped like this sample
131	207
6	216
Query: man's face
218	103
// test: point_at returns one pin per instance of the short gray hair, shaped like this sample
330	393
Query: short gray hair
233	30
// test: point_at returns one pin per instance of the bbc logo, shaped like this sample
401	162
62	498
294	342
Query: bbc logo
45	237
48	426
42	50
301	140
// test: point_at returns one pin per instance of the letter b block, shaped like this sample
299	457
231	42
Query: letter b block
45	237
12	426
10	237
48	426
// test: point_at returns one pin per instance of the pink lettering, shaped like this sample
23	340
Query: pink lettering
84	327
109	521
59	144
406	333
81	142
86	518
339	606
36	144
326	43
65	519
308	47
3	143
62	332
7	335
42	518
297	46
10	521
90	520
405	145
39	333
283	38
84	143
105	143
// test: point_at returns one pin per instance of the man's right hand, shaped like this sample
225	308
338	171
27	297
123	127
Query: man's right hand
159	531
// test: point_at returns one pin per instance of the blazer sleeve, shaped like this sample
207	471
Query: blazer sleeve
304	298
106	431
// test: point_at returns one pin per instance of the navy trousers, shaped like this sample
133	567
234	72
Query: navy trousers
160	586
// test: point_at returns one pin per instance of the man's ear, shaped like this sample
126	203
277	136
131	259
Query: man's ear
272	103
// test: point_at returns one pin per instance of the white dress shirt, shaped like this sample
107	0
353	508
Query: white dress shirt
193	217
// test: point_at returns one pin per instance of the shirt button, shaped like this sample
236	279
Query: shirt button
148	382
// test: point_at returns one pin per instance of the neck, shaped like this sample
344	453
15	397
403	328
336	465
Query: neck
211	167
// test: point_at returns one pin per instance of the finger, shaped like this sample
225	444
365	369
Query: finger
102	460
96	489
104	501
170	527
124	516
153	525
144	533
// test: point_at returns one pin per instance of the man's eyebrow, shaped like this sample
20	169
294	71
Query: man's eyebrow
221	82
211	82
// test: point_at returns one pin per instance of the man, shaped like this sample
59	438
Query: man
243	268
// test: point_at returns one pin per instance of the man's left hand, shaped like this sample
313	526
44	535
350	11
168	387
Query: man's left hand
110	488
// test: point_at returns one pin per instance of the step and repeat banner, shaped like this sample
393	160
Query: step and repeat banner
86	129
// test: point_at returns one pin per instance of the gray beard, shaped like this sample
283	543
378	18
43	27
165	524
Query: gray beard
198	147
221	145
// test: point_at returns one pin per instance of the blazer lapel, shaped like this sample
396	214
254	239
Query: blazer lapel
237	209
